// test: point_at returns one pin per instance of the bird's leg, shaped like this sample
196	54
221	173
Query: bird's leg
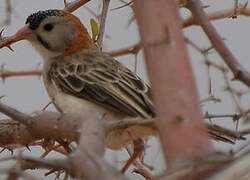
138	150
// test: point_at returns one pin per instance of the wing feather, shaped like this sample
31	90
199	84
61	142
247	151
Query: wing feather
104	81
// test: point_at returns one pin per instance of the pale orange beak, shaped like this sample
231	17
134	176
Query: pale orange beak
23	33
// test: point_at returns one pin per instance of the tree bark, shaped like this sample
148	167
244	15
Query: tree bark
182	132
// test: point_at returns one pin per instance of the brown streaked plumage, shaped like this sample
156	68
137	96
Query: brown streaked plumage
95	76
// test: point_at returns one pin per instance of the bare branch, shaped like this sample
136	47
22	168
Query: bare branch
129	50
8	12
220	14
6	74
236	4
74	5
103	22
89	154
240	73
55	126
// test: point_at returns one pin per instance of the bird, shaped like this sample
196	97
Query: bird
79	77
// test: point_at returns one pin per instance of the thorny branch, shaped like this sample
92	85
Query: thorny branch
220	14
74	5
70	124
240	73
235	95
6	73
8	12
46	125
236	4
125	51
103	22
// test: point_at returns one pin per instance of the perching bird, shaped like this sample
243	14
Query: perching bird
80	78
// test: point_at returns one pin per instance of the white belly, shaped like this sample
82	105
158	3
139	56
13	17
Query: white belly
68	103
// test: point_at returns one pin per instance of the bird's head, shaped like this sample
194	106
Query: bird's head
54	33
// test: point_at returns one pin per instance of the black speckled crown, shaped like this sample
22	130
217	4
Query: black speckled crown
35	19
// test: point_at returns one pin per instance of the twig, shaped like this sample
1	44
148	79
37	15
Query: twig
129	50
140	168
224	135
230	90
233	116
103	22
234	15
93	13
125	5
204	53
220	14
8	12
238	70
5	74
210	98
74	5
46	125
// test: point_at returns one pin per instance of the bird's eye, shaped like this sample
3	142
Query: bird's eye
48	27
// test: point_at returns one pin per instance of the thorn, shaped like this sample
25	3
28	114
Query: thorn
245	5
1	73
28	148
1	32
2	150
47	105
38	66
205	6
10	48
126	4
9	149
50	172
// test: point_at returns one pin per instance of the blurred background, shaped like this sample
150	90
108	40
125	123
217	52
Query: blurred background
28	94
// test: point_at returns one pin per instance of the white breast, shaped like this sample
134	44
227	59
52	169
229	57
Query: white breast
68	103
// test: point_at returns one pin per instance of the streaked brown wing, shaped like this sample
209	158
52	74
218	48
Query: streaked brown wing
97	77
